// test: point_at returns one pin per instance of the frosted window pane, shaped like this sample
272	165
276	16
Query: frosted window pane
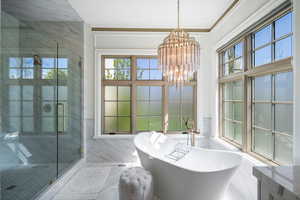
48	92
155	108
124	124
228	129
174	123
110	93
142	123
283	149
263	143
28	108
110	109
142	93
110	124
62	93
155	123
284	87
284	118
174	94
174	108
187	109
48	124
27	92
28	124
228	110
155	93
228	91
123	108
123	93
14	124
142	108
14	108
262	88
238	111
262	115
238	90
14	92
238	132
187	93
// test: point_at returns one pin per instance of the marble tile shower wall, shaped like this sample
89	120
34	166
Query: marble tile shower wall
39	154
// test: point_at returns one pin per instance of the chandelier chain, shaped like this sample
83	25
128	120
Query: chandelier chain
178	12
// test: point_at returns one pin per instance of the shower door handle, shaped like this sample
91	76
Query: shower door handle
61	109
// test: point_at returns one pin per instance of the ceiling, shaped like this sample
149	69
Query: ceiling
150	13
40	10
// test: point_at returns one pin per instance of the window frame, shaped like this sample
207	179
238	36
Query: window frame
133	83
249	72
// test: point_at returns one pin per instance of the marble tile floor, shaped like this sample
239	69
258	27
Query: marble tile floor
100	182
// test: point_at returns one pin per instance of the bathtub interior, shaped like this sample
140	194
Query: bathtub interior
157	145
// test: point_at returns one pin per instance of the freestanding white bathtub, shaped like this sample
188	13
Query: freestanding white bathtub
201	174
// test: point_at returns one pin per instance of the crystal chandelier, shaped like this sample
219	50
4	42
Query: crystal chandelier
179	55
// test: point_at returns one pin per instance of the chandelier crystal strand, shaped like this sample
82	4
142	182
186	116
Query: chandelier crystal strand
179	56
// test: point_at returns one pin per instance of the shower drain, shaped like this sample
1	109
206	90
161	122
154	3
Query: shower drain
11	187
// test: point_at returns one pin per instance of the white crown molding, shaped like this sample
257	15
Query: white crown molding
141	34
264	10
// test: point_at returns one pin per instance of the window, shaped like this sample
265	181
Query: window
136	98
117	69
117	110
180	107
233	59
272	124
273	42
256	98
21	68
233	110
149	108
31	82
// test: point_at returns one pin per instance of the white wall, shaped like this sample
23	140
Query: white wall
296	81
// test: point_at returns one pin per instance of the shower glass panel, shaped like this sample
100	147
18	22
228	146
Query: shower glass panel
40	95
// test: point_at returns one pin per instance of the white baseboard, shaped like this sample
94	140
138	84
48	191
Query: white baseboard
53	189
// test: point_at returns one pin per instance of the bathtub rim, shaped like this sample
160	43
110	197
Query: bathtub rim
173	163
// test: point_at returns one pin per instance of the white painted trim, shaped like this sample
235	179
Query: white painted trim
53	189
98	54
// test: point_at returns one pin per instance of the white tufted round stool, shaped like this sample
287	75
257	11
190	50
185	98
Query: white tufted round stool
136	184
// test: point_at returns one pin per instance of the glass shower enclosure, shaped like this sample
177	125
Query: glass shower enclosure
40	95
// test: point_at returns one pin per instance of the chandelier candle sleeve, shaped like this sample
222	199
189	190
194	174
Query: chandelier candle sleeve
179	56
